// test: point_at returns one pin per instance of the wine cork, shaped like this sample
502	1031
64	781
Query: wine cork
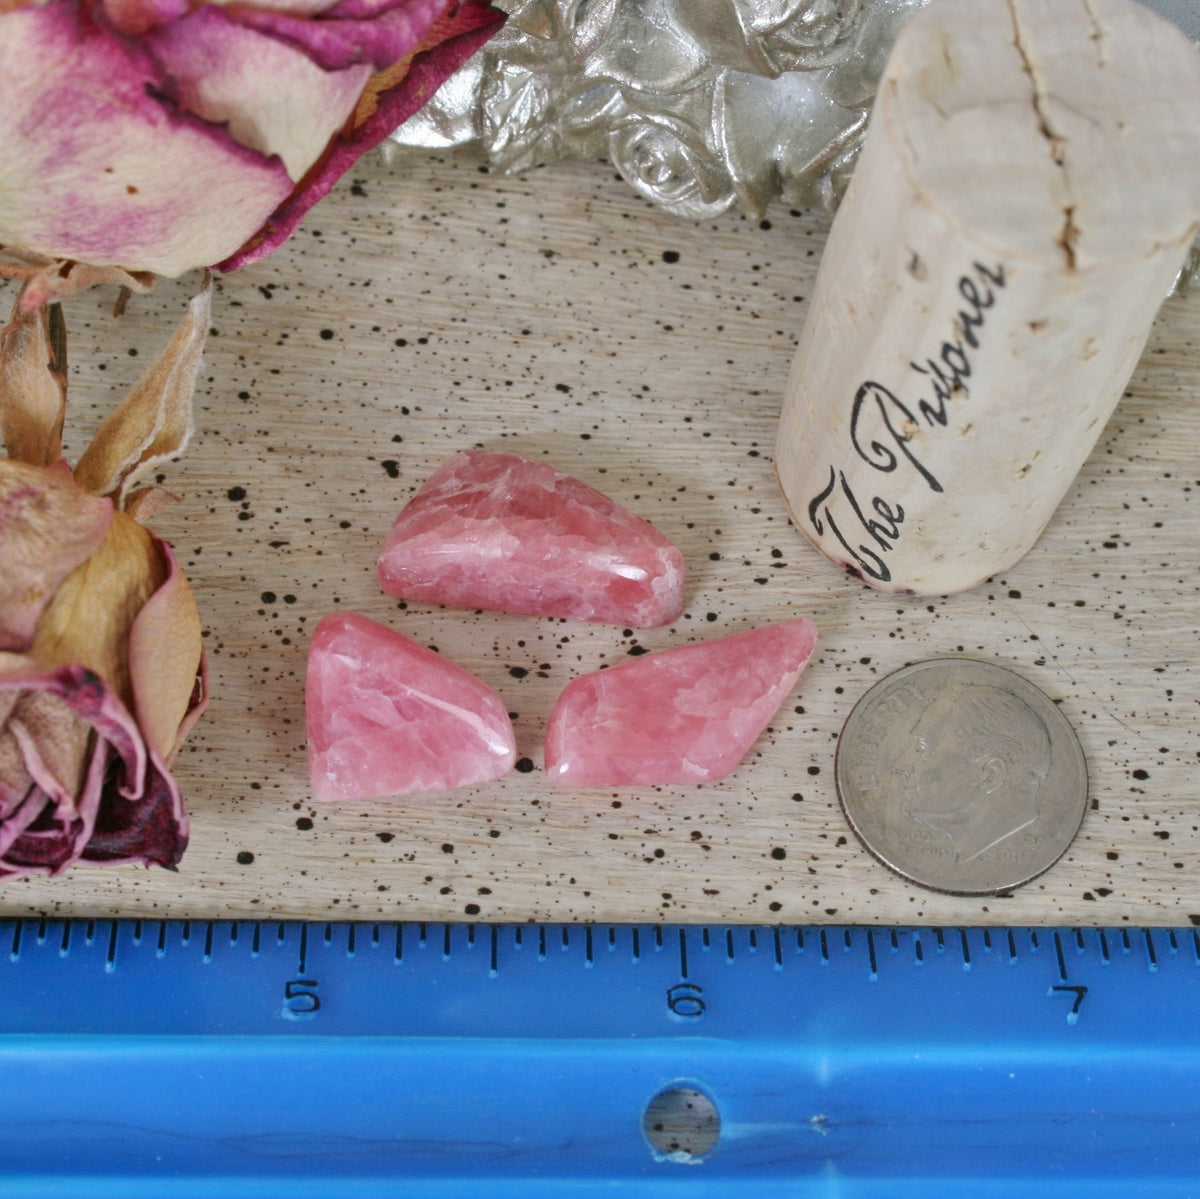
1027	191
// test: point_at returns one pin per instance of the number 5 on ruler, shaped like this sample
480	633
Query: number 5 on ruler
300	999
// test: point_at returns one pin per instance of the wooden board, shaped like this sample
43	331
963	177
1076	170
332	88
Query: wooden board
431	306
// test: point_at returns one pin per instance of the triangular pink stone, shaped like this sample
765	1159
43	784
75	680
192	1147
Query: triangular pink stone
496	531
685	715
387	716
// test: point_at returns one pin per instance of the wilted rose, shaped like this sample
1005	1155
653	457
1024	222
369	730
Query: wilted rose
101	660
151	137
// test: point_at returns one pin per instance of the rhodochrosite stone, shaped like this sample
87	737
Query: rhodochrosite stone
387	716
686	715
496	531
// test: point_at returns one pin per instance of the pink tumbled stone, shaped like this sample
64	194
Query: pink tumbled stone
686	715
387	716
496	531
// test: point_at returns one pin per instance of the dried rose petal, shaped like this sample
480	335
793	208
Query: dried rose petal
104	167
158	136
48	527
33	384
124	806
390	98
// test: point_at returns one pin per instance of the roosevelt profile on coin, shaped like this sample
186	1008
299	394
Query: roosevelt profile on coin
973	767
961	776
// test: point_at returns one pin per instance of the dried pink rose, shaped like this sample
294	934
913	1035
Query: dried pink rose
102	668
151	137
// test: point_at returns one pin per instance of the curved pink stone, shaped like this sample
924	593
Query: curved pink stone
686	715
496	531
387	716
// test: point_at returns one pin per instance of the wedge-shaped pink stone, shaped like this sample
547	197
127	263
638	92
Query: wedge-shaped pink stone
686	715
387	716
496	531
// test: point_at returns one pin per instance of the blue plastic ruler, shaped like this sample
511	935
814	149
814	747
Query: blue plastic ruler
154	1058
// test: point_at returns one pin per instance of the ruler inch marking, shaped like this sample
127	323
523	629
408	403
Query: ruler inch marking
1061	957
110	953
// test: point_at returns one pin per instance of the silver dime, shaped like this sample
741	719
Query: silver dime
961	776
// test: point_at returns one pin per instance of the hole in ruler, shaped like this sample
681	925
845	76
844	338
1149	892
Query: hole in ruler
682	1123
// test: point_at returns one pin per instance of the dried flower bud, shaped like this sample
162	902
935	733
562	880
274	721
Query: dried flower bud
102	668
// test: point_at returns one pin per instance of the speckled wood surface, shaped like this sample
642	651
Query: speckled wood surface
434	307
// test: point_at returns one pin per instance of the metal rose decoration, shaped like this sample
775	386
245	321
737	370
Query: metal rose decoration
700	106
101	661
152	137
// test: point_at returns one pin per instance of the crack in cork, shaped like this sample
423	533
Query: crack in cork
1068	236
1099	34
